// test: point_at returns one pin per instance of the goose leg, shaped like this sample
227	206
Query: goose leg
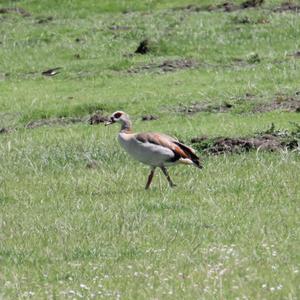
171	183
150	177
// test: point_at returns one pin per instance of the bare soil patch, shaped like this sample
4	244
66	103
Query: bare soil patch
92	164
281	102
223	7
97	118
119	28
203	107
44	20
166	66
290	104
17	10
253	58
226	6
248	20
252	3
93	119
54	121
287	6
149	118
296	54
173	65
4	130
270	140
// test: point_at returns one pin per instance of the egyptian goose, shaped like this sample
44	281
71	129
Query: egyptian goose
153	149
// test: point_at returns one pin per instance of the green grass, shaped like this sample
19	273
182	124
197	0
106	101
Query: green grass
229	231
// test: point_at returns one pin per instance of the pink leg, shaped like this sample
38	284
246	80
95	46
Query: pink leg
150	177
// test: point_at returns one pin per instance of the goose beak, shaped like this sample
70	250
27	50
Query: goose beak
111	121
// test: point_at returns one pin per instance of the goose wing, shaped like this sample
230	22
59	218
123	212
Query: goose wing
180	150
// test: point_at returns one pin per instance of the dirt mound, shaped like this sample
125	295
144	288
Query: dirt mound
192	8
54	121
173	65
270	140
225	7
296	54
284	103
149	118
16	10
44	20
92	164
119	28
222	145
252	3
203	107
6	130
97	118
252	59
287	6
93	119
242	20
165	66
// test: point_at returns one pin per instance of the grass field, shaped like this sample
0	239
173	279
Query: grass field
68	231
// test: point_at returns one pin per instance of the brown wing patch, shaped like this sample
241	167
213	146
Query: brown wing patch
190	153
180	152
153	138
164	141
157	139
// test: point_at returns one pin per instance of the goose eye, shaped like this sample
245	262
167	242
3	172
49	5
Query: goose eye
117	115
